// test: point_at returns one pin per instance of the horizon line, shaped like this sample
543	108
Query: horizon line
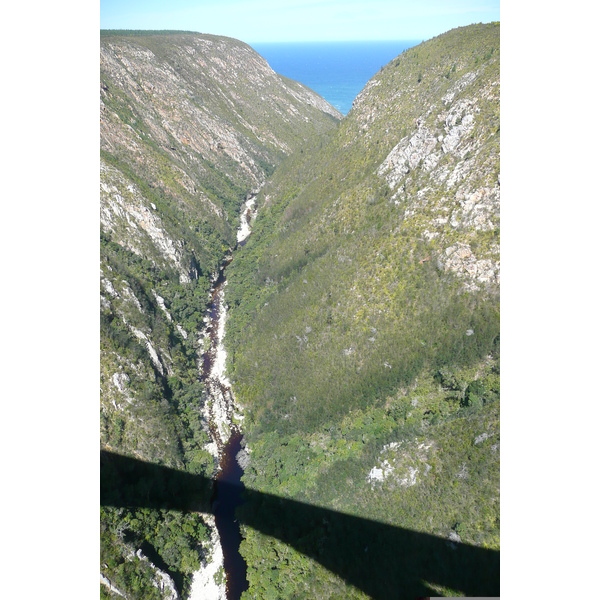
322	41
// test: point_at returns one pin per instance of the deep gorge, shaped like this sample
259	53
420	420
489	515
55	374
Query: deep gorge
363	332
226	434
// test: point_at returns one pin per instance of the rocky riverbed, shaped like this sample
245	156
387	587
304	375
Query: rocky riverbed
224	575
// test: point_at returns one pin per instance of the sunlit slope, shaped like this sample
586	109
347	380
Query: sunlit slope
189	125
364	327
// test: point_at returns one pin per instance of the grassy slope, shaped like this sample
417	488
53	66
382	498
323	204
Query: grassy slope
346	335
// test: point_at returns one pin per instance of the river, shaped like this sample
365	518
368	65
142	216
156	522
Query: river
223	416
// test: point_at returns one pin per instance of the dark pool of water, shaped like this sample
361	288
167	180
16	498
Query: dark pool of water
224	505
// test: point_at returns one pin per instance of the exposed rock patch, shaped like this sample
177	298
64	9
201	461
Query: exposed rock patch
399	467
127	216
439	168
204	583
460	260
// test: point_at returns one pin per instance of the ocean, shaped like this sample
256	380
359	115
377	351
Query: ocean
338	71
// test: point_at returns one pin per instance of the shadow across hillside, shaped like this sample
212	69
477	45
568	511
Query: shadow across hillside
383	561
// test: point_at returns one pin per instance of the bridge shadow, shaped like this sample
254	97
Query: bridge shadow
383	561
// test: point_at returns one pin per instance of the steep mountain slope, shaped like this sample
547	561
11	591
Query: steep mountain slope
364	329
190	125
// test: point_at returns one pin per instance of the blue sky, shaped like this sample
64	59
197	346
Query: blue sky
300	20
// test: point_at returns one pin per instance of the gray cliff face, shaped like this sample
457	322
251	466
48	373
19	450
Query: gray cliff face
453	160
190	124
202	99
444	171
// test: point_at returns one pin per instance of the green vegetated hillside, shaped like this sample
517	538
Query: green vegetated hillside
189	125
363	334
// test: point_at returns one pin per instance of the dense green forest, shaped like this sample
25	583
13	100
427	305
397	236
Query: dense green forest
367	360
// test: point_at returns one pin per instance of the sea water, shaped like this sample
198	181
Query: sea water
337	71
